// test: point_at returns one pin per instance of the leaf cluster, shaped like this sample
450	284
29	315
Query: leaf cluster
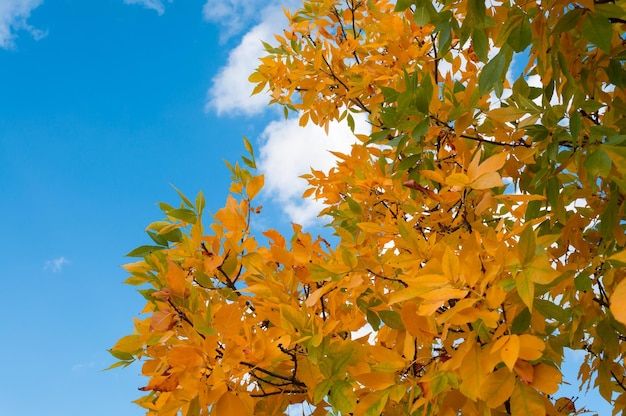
480	226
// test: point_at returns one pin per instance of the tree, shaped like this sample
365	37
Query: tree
479	229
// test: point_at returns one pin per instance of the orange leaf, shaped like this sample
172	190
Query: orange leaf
231	404
162	321
376	381
185	356
162	383
618	302
255	185
547	378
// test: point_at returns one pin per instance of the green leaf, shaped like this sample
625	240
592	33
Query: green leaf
477	12
582	282
248	146
526	246
424	94
520	36
521	322
552	310
525	288
122	356
480	43
249	162
143	251
350	121
183	197
392	319
200	202
420	129
598	30
568	21
183	214
618	155
342	397
421	16
575	124
321	390
373	319
159	239
492	73
598	163
402	5
615	72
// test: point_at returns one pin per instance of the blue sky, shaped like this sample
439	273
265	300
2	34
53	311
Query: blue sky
103	105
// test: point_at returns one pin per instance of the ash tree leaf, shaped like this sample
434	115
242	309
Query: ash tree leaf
598	30
493	72
520	36
143	251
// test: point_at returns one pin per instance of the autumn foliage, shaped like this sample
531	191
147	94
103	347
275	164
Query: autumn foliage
479	230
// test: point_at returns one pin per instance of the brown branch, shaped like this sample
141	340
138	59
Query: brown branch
619	382
497	143
273	393
293	380
184	317
388	278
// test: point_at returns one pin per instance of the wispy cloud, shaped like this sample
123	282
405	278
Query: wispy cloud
83	366
13	17
235	16
288	151
157	5
55	265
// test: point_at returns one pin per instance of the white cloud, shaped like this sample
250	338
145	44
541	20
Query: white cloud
288	151
231	91
234	16
156	5
55	265
13	17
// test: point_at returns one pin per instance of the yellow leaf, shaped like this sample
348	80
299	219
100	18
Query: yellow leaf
186	356
487	181
129	344
618	302
376	381
546	379
506	114
497	387
525	401
493	164
231	404
255	185
450	264
510	351
531	347
472	371
621	256
457	179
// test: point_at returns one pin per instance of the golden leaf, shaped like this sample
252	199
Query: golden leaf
547	378
376	381
618	302
231	404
